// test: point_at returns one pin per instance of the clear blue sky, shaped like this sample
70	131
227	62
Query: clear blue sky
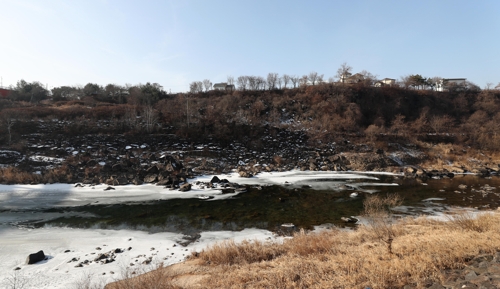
66	42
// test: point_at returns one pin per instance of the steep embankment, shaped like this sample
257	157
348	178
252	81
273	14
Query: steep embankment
323	127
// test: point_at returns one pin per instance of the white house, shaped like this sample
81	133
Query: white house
445	83
385	82
223	86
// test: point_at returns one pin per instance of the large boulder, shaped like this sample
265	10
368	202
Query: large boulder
215	180
35	257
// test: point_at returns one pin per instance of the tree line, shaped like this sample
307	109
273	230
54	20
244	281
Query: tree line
150	93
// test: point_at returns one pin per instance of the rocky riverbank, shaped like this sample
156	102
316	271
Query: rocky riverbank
169	160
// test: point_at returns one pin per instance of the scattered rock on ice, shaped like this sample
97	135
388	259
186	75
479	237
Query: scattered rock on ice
35	257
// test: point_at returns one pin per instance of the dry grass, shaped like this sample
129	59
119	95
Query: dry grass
12	175
421	248
339	259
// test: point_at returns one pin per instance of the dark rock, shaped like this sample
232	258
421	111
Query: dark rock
17	268
152	170
35	257
215	180
109	188
101	257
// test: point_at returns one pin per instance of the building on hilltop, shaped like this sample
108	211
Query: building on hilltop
355	78
223	86
4	92
446	83
385	82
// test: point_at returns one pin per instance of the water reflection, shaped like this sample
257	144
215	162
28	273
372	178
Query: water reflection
305	202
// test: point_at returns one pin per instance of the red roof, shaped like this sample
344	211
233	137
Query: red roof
4	92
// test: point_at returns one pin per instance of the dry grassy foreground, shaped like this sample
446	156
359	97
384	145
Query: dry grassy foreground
421	249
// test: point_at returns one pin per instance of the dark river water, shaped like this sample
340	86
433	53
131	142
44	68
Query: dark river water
270	206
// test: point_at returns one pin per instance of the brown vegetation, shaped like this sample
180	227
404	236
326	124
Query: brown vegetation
423	249
326	111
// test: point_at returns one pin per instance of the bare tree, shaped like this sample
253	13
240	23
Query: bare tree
130	117
279	81
207	84
150	118
242	82
230	80
8	118
286	79
252	83
303	80
320	78
272	79
368	78
405	81
196	87
295	80
440	123
313	77
489	85
344	72
261	83
17	280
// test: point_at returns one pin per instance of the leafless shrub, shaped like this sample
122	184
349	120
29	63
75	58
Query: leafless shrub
17	280
467	220
88	281
378	213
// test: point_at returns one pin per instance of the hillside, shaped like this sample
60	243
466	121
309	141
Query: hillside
321	127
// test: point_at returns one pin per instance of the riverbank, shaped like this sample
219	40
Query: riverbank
169	160
95	257
462	252
318	196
